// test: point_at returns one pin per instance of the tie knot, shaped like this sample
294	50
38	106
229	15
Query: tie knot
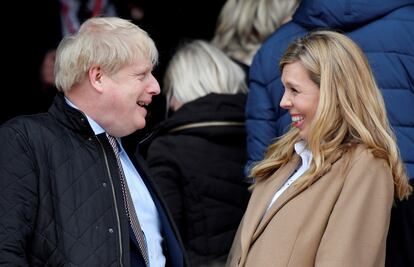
114	143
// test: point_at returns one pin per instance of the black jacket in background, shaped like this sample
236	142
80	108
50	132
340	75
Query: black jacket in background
196	158
60	197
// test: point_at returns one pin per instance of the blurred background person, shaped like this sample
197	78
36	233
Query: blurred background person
171	23
197	155
385	32
243	25
324	192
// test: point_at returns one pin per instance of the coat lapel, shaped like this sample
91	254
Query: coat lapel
289	194
262	195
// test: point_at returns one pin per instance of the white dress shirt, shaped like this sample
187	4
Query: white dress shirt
306	156
144	205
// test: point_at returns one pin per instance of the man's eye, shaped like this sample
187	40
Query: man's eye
142	76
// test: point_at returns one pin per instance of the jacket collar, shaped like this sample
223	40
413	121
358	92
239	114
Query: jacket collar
70	117
212	107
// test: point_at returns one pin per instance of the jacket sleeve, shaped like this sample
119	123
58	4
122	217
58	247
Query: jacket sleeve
357	228
18	198
166	175
263	114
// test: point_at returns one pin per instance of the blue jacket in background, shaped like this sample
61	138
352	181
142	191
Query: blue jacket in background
385	32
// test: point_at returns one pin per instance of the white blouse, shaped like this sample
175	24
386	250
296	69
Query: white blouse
306	156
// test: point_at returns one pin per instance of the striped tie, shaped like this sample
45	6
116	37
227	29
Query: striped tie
131	213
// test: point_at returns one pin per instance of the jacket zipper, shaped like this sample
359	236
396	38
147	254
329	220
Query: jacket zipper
115	202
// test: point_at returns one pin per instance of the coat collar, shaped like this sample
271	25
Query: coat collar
72	118
254	226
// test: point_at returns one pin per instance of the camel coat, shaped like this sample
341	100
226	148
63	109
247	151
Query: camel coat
341	220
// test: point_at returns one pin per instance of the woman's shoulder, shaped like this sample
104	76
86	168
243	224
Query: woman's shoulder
363	157
362	151
367	171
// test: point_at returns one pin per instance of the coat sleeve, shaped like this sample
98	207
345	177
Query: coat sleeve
18	198
357	228
261	114
166	174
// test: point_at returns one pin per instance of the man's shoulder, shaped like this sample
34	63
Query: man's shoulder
23	122
30	127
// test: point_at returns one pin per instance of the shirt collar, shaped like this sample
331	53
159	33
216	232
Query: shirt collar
302	150
97	129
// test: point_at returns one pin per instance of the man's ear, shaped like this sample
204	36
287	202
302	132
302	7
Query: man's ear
95	77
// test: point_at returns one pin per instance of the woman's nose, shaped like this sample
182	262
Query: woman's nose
285	102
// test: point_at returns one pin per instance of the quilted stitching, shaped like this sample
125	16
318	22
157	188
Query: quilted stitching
57	198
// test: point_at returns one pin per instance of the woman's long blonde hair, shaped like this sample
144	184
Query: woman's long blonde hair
351	110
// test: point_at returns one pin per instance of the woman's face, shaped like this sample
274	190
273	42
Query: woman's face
301	96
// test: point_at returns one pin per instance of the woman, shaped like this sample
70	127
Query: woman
198	154
324	192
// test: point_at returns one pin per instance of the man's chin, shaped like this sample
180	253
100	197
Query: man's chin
141	124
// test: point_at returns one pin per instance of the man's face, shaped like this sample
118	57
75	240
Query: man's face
128	93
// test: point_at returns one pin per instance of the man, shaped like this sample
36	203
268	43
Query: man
70	195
